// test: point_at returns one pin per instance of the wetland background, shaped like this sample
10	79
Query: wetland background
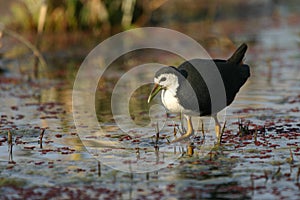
259	158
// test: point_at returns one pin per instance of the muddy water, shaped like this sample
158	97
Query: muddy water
260	161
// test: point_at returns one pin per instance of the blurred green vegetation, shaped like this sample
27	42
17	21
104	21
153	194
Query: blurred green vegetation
69	15
111	16
66	15
213	22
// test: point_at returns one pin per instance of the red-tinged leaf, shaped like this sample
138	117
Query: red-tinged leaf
49	117
39	163
44	151
257	143
18	117
14	108
291	144
266	156
246	143
29	147
79	170
233	157
10	166
20	142
91	137
125	137
274	145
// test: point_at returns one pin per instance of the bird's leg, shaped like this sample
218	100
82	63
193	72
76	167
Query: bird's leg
217	128
189	132
182	130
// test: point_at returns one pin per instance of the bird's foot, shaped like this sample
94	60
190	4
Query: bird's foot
189	132
187	135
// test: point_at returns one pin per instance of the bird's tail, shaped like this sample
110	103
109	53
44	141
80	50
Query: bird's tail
238	55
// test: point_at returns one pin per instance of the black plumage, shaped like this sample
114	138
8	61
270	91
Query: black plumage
194	77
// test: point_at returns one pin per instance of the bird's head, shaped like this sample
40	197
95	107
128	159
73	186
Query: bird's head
167	78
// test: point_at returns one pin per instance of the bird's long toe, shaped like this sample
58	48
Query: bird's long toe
185	136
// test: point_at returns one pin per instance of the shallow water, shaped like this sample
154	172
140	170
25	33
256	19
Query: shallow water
261	164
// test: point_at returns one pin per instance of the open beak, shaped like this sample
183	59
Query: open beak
154	92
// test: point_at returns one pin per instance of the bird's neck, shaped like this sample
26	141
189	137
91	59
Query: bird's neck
173	88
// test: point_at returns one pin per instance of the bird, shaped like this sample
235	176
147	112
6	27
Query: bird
187	89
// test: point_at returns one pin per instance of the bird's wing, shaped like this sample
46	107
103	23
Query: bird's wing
193	91
212	81
219	80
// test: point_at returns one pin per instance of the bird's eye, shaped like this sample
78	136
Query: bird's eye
162	79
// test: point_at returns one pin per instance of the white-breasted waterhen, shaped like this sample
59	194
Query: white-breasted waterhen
186	89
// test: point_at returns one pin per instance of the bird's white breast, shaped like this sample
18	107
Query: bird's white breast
170	101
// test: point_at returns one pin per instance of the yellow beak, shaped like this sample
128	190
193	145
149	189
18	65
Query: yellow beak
154	92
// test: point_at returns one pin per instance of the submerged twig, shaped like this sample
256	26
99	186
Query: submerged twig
157	134
240	127
202	128
255	135
222	132
243	129
41	138
269	63
174	130
223	128
298	174
138	155
10	146
168	141
156	149
277	174
99	168
266	175
291	158
252	182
